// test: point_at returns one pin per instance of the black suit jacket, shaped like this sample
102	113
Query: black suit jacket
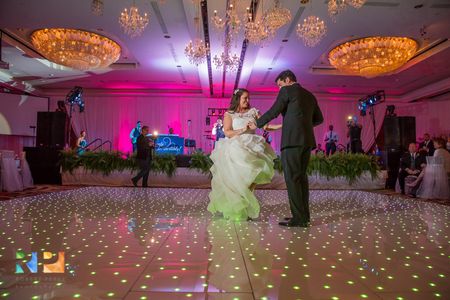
406	161
430	147
144	150
300	114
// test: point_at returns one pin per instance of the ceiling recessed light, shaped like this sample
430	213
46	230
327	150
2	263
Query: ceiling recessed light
285	40
167	36
178	66
269	68
418	6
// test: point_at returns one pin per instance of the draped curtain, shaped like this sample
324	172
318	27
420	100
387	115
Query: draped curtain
112	118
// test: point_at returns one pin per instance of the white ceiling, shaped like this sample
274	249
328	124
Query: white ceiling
157	57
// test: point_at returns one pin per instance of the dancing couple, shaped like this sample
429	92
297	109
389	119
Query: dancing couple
244	160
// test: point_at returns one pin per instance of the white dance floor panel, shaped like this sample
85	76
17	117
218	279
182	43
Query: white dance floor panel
133	243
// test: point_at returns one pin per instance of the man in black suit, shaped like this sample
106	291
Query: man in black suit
411	163
300	114
143	157
427	145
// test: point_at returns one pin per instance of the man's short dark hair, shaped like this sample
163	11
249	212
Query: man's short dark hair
138	122
144	128
286	74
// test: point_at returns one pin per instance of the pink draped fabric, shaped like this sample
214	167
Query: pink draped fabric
113	117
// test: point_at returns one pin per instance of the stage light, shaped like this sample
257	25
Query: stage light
155	133
349	118
75	97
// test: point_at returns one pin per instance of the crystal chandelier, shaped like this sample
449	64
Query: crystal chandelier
312	31
97	7
256	30
232	20
77	49
230	62
277	17
372	56
356	3
336	7
132	22
217	21
196	51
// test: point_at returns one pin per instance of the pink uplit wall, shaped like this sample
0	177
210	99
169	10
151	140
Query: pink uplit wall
113	117
432	117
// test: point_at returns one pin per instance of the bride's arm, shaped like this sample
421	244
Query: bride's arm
270	127
228	127
273	127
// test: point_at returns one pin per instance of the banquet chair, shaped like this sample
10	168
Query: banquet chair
408	179
10	175
435	183
25	172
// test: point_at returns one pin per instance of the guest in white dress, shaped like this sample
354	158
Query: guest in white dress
241	161
434	181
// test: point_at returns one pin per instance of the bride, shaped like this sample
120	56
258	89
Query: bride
241	161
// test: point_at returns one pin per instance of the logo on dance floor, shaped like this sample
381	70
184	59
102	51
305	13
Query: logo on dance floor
32	264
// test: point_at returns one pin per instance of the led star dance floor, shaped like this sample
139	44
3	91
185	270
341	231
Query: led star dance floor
131	243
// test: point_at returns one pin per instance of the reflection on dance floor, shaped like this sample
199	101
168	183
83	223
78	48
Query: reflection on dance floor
127	243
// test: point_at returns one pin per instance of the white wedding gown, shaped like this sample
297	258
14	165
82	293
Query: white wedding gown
238	163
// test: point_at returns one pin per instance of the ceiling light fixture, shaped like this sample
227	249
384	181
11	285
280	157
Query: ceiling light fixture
372	56
312	31
77	49
132	23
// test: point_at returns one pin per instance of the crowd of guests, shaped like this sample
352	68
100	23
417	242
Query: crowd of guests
427	169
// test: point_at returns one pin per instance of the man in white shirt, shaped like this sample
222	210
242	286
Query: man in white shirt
330	138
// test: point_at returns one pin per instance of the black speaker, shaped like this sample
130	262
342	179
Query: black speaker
51	129
399	132
44	164
392	161
208	121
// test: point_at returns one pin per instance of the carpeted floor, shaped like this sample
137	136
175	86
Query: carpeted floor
36	190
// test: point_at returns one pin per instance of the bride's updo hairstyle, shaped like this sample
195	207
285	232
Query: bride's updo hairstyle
236	99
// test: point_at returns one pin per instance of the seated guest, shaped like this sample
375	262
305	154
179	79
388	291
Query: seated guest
411	163
267	137
171	131
427	145
434	179
81	143
143	157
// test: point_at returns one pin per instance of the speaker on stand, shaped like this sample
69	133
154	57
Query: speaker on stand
399	132
51	129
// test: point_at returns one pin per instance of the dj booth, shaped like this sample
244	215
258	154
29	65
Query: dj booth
172	144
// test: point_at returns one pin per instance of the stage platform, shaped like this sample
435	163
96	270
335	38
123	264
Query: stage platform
187	178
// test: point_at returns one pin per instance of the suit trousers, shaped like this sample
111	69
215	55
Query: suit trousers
144	170
330	148
295	162
356	146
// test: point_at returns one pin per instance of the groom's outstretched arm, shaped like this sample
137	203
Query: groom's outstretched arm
276	109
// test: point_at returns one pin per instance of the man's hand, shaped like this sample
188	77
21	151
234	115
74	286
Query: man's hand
151	143
252	125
